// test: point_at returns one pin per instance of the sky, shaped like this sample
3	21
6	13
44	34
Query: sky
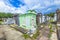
21	6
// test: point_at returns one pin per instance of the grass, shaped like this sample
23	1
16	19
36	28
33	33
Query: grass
33	37
26	36
1	22
50	32
36	34
51	21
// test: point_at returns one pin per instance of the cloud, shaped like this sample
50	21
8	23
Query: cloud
57	2
40	6
43	5
48	9
3	7
9	8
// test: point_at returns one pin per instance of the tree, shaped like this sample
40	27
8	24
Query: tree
51	14
9	15
5	15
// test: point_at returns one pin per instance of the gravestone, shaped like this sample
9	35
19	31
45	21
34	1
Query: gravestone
38	18
58	23
58	16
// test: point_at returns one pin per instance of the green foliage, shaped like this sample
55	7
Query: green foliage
5	15
36	34
33	37
50	32
1	22
50	14
49	36
50	26
26	36
51	20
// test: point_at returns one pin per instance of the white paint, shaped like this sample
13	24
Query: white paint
58	24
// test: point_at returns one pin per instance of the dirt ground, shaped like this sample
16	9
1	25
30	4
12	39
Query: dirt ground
7	33
44	33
